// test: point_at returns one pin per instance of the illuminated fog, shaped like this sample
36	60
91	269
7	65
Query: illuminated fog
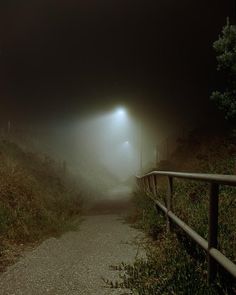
111	140
103	150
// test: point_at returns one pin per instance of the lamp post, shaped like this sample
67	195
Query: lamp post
141	150
157	155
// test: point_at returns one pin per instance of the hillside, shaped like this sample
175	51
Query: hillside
36	199
175	264
204	151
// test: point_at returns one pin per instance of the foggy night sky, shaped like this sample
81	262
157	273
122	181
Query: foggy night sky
60	59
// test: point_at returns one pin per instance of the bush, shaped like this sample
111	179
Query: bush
175	264
36	201
168	269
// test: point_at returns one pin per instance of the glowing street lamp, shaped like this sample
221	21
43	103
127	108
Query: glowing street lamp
120	120
120	112
126	145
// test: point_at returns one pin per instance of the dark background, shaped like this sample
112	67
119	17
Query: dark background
63	59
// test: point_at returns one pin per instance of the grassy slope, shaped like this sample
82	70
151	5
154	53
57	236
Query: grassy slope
35	199
175	265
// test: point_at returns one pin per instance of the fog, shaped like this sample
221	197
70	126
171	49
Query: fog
102	150
111	140
72	64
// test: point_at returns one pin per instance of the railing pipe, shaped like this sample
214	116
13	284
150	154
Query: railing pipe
214	256
217	178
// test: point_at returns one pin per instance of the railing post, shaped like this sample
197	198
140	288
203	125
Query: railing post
212	230
169	200
139	183
153	185
143	185
149	185
146	185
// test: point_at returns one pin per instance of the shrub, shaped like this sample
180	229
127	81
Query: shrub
35	201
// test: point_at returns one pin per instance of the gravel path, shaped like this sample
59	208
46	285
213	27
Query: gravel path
76	262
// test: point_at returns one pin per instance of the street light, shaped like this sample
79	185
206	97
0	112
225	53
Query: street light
141	149
120	112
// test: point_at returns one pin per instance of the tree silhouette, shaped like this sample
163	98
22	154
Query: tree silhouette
225	48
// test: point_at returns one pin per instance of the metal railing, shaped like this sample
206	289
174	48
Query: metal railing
148	182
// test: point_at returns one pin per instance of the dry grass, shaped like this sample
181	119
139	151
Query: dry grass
35	200
175	265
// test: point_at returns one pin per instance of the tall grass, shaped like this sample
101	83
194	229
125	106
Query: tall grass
175	264
36	200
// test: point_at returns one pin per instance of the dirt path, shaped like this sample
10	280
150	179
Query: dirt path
76	262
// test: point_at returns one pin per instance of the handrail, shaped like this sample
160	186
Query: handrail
149	180
217	178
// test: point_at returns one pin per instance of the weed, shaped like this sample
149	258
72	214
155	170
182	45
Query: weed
35	201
